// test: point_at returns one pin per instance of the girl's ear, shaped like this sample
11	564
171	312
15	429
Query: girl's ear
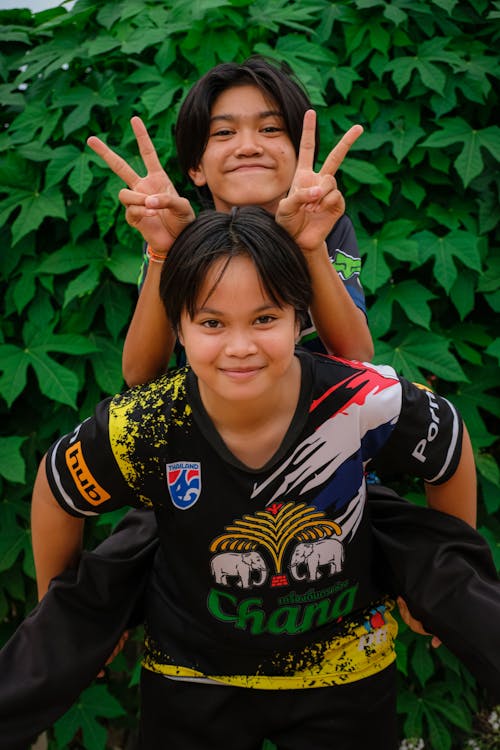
180	336
198	176
297	330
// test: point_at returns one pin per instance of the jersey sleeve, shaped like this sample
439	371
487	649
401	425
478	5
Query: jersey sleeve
344	252
83	473
426	440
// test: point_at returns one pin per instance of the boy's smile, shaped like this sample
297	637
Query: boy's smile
249	158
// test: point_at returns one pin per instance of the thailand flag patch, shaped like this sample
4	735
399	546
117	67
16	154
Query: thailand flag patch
184	483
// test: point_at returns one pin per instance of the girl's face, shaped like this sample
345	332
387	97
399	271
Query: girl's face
239	343
249	158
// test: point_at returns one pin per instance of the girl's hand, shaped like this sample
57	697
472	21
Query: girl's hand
413	624
117	649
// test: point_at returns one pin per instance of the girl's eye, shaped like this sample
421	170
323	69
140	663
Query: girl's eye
210	324
272	129
265	319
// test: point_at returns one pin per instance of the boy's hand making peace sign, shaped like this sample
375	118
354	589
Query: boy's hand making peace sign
314	204
158	222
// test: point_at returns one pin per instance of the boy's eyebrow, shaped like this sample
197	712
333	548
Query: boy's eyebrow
260	115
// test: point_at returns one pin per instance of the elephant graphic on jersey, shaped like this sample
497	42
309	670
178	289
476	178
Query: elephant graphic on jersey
314	555
248	568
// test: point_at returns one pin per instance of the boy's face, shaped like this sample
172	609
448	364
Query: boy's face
239	343
249	158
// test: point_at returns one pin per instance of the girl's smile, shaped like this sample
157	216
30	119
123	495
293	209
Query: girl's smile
240	343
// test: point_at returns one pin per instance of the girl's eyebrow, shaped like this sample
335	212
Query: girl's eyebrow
260	115
213	311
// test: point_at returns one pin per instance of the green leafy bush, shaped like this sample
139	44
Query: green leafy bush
422	187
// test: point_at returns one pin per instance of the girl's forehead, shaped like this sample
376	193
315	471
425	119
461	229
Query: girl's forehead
243	96
230	278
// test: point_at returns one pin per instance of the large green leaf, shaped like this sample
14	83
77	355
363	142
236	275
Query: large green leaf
84	283
439	734
61	162
14	541
477	398
422	660
107	366
418	353
448	709
470	162
83	99
411	296
460	244
424	63
12	465
393	239
70	257
35	207
56	381
94	703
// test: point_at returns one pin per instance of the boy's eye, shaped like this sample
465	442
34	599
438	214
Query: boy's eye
210	323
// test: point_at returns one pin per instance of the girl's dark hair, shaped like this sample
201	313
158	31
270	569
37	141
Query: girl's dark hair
214	235
276	84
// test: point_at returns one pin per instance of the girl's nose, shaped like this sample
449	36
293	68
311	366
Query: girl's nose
240	344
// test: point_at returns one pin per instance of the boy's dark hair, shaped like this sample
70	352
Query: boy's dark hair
250	231
276	83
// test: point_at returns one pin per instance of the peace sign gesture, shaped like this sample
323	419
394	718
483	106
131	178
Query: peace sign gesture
152	204
314	204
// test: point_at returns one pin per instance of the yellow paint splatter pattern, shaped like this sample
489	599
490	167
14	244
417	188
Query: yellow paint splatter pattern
357	652
139	424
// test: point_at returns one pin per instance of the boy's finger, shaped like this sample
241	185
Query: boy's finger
305	159
338	154
131	198
146	147
117	165
135	214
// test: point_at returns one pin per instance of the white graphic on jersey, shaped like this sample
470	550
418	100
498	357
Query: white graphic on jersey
308	559
318	457
246	569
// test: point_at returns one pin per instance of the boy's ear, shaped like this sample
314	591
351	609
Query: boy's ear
198	176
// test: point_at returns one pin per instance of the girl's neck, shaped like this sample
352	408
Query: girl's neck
254	430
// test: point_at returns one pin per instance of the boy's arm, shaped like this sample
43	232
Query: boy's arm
150	340
56	536
458	495
341	325
312	207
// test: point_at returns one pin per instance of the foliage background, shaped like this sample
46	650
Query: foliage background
422	188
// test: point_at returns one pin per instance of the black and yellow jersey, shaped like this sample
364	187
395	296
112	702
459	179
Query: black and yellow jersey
262	577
